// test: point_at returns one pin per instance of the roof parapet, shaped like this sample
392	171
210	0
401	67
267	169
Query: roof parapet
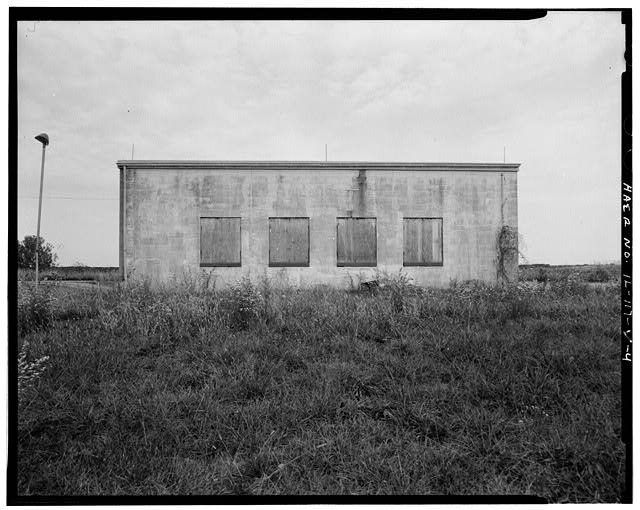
315	165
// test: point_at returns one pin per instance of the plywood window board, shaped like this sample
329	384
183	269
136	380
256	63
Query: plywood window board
289	242
220	242
357	242
422	245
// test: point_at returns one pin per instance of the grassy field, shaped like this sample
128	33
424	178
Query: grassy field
591	273
527	272
106	274
257	390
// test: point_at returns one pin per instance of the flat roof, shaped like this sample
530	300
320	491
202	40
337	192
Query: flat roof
314	165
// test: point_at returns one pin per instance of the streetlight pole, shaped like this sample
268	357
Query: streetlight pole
44	139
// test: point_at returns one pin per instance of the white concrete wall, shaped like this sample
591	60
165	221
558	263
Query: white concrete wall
163	207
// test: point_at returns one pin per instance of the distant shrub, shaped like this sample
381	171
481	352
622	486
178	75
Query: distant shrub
599	274
51	276
544	273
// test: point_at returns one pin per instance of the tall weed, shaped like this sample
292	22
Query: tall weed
168	314
241	304
29	372
35	308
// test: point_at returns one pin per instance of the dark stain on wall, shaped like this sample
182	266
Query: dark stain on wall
193	187
281	199
360	193
475	200
441	193
290	199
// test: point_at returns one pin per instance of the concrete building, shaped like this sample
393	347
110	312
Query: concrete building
314	222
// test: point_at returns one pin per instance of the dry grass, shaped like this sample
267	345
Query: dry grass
256	390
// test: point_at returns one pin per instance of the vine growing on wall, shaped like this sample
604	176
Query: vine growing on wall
507	250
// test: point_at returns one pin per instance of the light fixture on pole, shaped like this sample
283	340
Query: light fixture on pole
43	138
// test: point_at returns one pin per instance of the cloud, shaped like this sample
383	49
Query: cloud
546	89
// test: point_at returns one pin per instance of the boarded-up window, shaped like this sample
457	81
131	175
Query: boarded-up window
357	242
288	242
422	241
219	242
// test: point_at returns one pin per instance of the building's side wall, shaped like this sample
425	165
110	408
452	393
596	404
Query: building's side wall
122	204
163	208
510	201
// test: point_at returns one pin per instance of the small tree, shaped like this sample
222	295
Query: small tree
27	253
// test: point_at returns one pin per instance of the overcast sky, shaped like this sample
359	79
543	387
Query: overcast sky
548	90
